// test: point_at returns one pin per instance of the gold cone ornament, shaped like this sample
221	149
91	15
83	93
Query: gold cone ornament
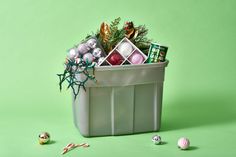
105	32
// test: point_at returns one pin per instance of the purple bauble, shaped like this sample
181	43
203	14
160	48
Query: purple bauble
92	43
83	48
88	58
136	58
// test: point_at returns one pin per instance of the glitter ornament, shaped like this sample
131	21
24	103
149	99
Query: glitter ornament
88	58
72	54
100	60
92	43
156	139
44	138
77	60
125	49
83	48
115	59
105	32
136	58
97	52
183	143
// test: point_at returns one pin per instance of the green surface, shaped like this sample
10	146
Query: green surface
199	94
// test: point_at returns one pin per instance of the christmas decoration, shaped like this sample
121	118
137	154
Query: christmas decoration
72	53
80	59
125	53
105	32
130	31
71	146
125	48
100	60
97	52
83	48
92	43
88	58
156	139
157	53
136	58
115	58
74	68
110	45
44	138
183	143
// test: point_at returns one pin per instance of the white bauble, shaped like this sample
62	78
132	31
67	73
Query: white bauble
125	48
183	143
72	53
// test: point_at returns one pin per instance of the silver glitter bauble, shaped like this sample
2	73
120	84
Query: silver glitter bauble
88	58
100	60
72	53
156	139
44	138
92	43
83	48
97	52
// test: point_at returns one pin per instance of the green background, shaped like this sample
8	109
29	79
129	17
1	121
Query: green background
199	92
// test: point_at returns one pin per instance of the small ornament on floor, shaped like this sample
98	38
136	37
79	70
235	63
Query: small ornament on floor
44	138
156	139
71	146
183	143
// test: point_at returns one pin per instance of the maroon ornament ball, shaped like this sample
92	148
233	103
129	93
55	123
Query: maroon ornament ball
115	59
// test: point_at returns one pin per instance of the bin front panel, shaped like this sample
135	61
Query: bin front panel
100	111
125	100
143	111
122	110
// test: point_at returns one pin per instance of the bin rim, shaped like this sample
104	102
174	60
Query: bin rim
137	66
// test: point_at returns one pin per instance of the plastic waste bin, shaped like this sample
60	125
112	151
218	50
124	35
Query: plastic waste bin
125	100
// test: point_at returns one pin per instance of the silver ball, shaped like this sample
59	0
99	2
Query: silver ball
83	48
92	43
100	60
97	52
156	139
44	138
72	53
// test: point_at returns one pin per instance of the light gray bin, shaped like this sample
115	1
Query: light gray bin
125	100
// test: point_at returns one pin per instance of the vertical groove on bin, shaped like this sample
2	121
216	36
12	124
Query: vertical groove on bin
160	93
100	111
134	110
155	106
144	115
88	106
112	112
82	112
122	112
